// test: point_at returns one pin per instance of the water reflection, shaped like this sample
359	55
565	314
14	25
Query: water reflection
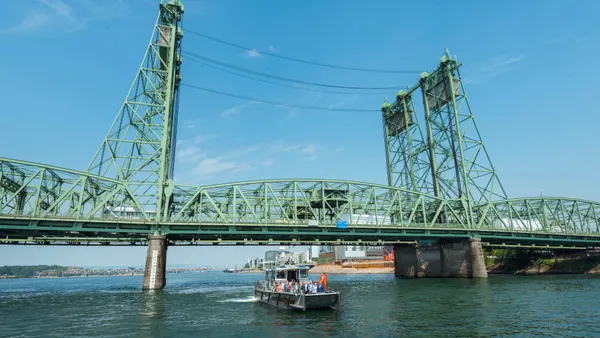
152	304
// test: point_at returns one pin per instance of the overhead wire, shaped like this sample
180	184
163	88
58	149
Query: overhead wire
282	84
283	78
300	60
277	103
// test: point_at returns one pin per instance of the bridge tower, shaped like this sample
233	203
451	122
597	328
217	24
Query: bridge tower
139	148
444	156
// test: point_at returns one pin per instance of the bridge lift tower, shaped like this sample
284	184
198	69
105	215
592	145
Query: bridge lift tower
139	148
445	156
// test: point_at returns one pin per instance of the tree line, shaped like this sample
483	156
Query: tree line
27	271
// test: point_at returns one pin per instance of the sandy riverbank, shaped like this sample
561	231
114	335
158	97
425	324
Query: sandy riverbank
350	269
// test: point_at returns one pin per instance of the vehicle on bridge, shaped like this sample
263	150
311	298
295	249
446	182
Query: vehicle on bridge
126	212
267	291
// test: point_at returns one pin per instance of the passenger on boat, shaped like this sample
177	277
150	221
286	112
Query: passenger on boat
323	280
307	287
320	287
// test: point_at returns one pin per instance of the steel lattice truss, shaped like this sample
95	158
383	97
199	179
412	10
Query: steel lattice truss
139	147
38	199
43	191
441	181
445	156
300	202
406	149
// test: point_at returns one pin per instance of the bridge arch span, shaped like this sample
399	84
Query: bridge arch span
553	215
313	202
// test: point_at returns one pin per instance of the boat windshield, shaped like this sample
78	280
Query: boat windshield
303	273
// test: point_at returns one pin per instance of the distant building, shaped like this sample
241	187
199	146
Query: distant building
350	252
282	256
256	262
314	252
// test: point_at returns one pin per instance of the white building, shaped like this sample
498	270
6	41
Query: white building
350	252
314	251
255	262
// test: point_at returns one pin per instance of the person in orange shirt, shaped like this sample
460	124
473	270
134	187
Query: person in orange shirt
323	280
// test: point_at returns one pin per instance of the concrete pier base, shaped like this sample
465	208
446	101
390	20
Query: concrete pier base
447	258
405	260
478	268
156	263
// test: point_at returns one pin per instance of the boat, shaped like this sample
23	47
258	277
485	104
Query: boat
230	270
264	291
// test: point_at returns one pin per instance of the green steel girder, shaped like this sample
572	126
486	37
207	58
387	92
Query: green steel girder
445	156
305	201
540	214
48	231
73	203
48	192
407	154
139	148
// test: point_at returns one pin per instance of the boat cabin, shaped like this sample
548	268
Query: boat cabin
287	273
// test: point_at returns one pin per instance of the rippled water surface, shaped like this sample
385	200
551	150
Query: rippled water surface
215	304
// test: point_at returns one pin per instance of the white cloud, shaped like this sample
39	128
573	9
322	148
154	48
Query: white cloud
60	8
234	110
498	64
254	53
58	15
189	151
311	151
507	62
210	166
280	146
204	138
34	20
492	67
267	163
205	165
344	101
188	154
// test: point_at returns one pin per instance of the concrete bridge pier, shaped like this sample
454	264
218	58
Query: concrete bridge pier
446	258
406	261
156	263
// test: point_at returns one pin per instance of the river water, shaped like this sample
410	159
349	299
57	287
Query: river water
216	304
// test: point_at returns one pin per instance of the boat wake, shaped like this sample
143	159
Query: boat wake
239	300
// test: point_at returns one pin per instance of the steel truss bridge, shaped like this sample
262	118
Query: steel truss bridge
441	181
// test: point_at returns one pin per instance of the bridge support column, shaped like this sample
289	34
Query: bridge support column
156	263
478	268
448	258
462	259
405	260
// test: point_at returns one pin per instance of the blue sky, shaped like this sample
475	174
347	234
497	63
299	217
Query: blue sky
530	69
